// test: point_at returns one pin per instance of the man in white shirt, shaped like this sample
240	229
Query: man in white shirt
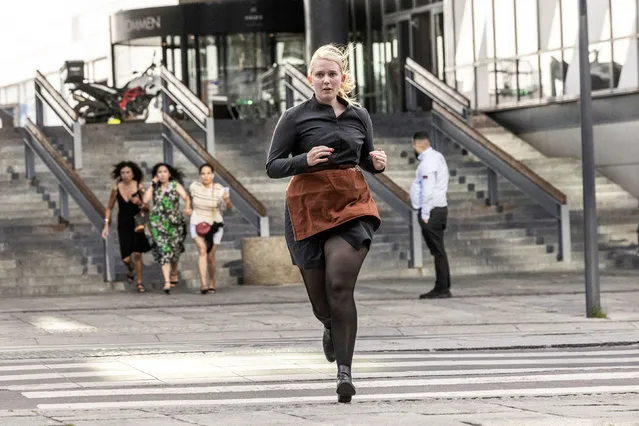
428	195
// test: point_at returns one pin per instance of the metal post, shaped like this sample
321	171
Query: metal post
168	149
64	204
166	100
493	198
565	239
416	255
210	136
39	107
411	96
290	98
264	227
588	165
29	162
77	143
109	256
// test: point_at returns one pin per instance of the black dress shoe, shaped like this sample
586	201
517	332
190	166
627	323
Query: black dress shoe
436	294
345	388
327	343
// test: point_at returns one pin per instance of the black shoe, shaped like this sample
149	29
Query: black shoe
436	294
327	343
345	388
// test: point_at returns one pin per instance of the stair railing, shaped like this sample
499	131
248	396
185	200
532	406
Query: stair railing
247	204
451	119
296	85
71	122
36	143
174	90
399	200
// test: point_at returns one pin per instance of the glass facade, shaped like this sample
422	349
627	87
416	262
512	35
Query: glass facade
505	52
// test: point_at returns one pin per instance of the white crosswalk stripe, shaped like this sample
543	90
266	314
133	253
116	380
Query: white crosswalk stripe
214	379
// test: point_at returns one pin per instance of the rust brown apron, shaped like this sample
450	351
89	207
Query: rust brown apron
324	199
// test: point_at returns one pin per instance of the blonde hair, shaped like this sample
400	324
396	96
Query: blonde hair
339	55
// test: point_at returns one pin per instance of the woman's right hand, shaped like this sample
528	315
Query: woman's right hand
105	232
318	155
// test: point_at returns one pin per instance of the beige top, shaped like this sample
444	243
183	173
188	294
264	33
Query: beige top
207	202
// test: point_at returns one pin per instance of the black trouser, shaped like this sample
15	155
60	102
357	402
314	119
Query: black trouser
433	233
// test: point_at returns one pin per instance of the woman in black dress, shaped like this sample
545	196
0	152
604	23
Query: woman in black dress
128	191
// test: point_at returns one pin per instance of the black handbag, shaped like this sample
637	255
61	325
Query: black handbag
140	220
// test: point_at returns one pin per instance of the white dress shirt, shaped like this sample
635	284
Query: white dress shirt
431	183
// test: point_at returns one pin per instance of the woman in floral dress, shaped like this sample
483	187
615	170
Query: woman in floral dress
167	225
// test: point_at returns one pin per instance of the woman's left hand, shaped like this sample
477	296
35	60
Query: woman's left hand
379	159
188	211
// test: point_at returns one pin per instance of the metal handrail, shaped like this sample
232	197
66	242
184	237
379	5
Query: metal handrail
418	77
174	135
70	183
173	89
72	123
399	200
450	112
295	83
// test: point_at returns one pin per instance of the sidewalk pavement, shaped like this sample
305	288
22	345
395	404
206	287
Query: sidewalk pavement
487	312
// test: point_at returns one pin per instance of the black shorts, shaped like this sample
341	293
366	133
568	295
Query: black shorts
309	252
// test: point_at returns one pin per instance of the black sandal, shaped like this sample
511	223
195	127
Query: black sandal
141	288
129	278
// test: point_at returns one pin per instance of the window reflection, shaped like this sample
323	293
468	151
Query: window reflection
624	14
524	49
549	24
526	26
245	59
209	67
553	74
625	54
484	36
466	83
570	21
604	74
505	28
528	77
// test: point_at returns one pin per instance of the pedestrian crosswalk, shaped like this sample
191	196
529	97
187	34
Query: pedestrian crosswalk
214	379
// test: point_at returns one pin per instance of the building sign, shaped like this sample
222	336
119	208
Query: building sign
253	17
141	23
219	17
149	23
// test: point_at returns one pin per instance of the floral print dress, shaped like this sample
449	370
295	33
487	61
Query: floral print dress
167	225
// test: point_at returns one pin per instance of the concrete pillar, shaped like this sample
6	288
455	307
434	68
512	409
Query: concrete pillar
326	21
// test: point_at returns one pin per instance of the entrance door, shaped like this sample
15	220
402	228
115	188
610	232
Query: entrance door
428	47
398	42
419	35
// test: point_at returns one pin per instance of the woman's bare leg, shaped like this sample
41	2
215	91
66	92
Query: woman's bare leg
212	268
201	260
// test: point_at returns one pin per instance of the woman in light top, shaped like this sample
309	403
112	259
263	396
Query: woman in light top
209	199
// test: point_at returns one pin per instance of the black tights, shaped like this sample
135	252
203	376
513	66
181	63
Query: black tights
330	290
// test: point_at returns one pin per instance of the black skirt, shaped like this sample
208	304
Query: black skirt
309	252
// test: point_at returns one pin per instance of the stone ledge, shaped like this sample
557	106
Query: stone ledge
266	261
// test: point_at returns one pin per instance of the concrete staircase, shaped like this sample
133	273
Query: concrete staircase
38	254
107	145
617	210
516	236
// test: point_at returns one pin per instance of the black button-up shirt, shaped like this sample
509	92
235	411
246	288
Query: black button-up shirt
313	124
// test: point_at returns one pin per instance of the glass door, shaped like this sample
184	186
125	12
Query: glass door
397	50
439	62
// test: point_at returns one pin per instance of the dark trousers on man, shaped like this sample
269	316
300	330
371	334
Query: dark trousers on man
433	233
